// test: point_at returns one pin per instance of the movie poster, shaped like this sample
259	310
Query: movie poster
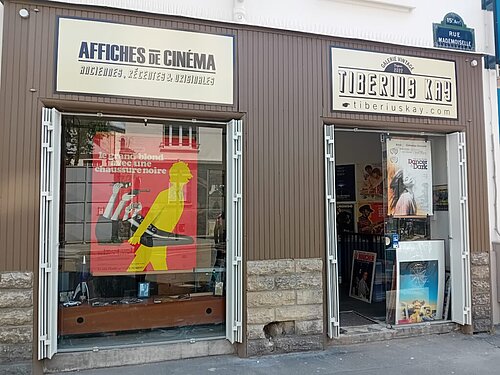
418	291
440	197
410	229
345	218
370	218
345	188
420	281
370	182
144	205
409	177
362	275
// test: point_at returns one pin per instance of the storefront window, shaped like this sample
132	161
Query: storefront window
143	236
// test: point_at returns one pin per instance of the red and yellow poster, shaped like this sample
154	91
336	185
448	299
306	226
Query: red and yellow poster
371	218
144	204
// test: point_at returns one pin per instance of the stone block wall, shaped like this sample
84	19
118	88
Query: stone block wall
16	322
481	292
284	305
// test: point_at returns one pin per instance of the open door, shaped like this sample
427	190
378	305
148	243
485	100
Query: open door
459	229
331	234
234	220
50	161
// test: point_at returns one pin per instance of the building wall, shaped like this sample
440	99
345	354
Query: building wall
405	22
284	157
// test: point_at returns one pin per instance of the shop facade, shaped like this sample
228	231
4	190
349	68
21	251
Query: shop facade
173	184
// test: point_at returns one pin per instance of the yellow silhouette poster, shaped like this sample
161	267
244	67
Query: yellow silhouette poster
144	204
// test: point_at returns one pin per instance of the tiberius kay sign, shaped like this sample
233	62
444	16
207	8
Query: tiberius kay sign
380	83
96	57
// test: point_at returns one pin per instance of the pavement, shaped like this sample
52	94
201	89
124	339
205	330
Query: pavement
451	353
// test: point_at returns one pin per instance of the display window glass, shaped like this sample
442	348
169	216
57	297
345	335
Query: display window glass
142	232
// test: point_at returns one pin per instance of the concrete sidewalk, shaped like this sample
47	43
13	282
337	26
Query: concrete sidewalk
452	353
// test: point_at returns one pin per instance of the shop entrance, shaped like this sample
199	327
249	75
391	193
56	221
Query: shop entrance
397	229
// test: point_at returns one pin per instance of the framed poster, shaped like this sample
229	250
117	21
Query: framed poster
371	218
410	229
419	281
362	275
345	183
345	217
370	182
409	177
440	197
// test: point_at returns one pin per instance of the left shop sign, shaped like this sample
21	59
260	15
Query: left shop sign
96	57
144	205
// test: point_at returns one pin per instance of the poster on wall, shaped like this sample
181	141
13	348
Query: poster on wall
345	189
370	182
410	229
409	177
420	281
440	197
345	217
362	275
371	218
144	205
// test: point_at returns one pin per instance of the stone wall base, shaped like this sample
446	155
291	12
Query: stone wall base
285	344
16	322
113	357
379	332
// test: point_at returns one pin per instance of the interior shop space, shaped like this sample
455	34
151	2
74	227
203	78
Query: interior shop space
392	222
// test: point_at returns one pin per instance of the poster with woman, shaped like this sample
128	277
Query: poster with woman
370	182
409	177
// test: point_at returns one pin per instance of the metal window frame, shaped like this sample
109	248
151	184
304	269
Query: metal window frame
461	299
50	162
331	234
234	225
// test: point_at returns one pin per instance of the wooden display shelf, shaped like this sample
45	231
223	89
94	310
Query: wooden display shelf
85	318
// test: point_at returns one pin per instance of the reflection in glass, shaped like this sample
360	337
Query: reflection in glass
142	254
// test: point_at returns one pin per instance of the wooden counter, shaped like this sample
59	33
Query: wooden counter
145	315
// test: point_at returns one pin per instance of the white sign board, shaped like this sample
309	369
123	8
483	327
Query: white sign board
380	83
95	57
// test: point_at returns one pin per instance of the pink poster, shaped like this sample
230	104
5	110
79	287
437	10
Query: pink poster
144	204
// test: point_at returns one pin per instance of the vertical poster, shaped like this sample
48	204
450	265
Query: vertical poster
345	188
409	177
420	281
362	275
345	218
370	182
144	204
371	218
440	197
